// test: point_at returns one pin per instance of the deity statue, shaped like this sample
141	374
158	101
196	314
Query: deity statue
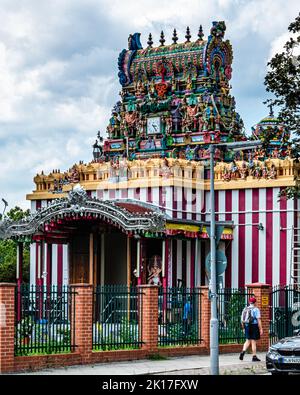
226	175
74	177
264	172
234	170
189	84
165	170
189	154
154	270
176	114
140	89
169	124
151	89
55	185
142	127
289	151
257	172
275	153
114	126
243	170
192	114
131	118
272	172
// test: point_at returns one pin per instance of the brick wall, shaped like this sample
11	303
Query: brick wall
7	326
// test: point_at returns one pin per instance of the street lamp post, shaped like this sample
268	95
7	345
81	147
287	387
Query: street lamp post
214	322
214	330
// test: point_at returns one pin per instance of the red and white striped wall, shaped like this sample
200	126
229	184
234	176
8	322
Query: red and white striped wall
256	253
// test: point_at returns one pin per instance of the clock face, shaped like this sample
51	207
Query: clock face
153	125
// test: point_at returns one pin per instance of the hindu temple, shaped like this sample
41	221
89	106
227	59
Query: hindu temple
139	211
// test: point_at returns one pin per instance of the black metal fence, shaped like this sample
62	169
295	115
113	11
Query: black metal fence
231	302
179	321
116	317
45	319
284	311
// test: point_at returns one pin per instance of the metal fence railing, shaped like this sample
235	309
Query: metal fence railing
116	317
284	311
179	321
45	319
231	302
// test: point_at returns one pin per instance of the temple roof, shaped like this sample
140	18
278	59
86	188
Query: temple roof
130	217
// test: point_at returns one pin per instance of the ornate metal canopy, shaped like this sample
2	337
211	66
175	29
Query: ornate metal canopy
129	215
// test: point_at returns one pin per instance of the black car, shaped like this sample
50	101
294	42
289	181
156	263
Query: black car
284	356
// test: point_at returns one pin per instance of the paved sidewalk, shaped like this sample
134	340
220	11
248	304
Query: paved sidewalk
194	364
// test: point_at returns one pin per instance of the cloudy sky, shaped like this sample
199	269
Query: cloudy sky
58	70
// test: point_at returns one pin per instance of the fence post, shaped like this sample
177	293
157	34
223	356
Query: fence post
83	320
7	327
262	295
204	318
148	317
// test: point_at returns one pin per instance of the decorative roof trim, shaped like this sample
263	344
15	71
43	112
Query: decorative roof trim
79	204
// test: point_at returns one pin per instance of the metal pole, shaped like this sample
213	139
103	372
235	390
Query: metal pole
214	335
127	147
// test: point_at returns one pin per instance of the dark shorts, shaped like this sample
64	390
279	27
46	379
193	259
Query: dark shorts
252	332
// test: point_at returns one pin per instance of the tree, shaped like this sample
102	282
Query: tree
283	80
8	251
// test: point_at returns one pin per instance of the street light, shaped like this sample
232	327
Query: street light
5	205
214	323
97	151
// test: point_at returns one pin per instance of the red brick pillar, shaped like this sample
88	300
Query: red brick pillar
262	295
83	320
204	319
148	316
7	327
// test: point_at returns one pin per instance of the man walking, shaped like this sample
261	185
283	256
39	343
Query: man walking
251	323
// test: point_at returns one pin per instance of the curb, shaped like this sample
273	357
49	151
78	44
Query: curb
224	370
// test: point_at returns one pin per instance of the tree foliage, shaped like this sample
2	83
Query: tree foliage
8	251
283	80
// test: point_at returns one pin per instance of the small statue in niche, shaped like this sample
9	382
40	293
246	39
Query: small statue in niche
150	144
154	270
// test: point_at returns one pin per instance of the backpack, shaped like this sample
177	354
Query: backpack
247	317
